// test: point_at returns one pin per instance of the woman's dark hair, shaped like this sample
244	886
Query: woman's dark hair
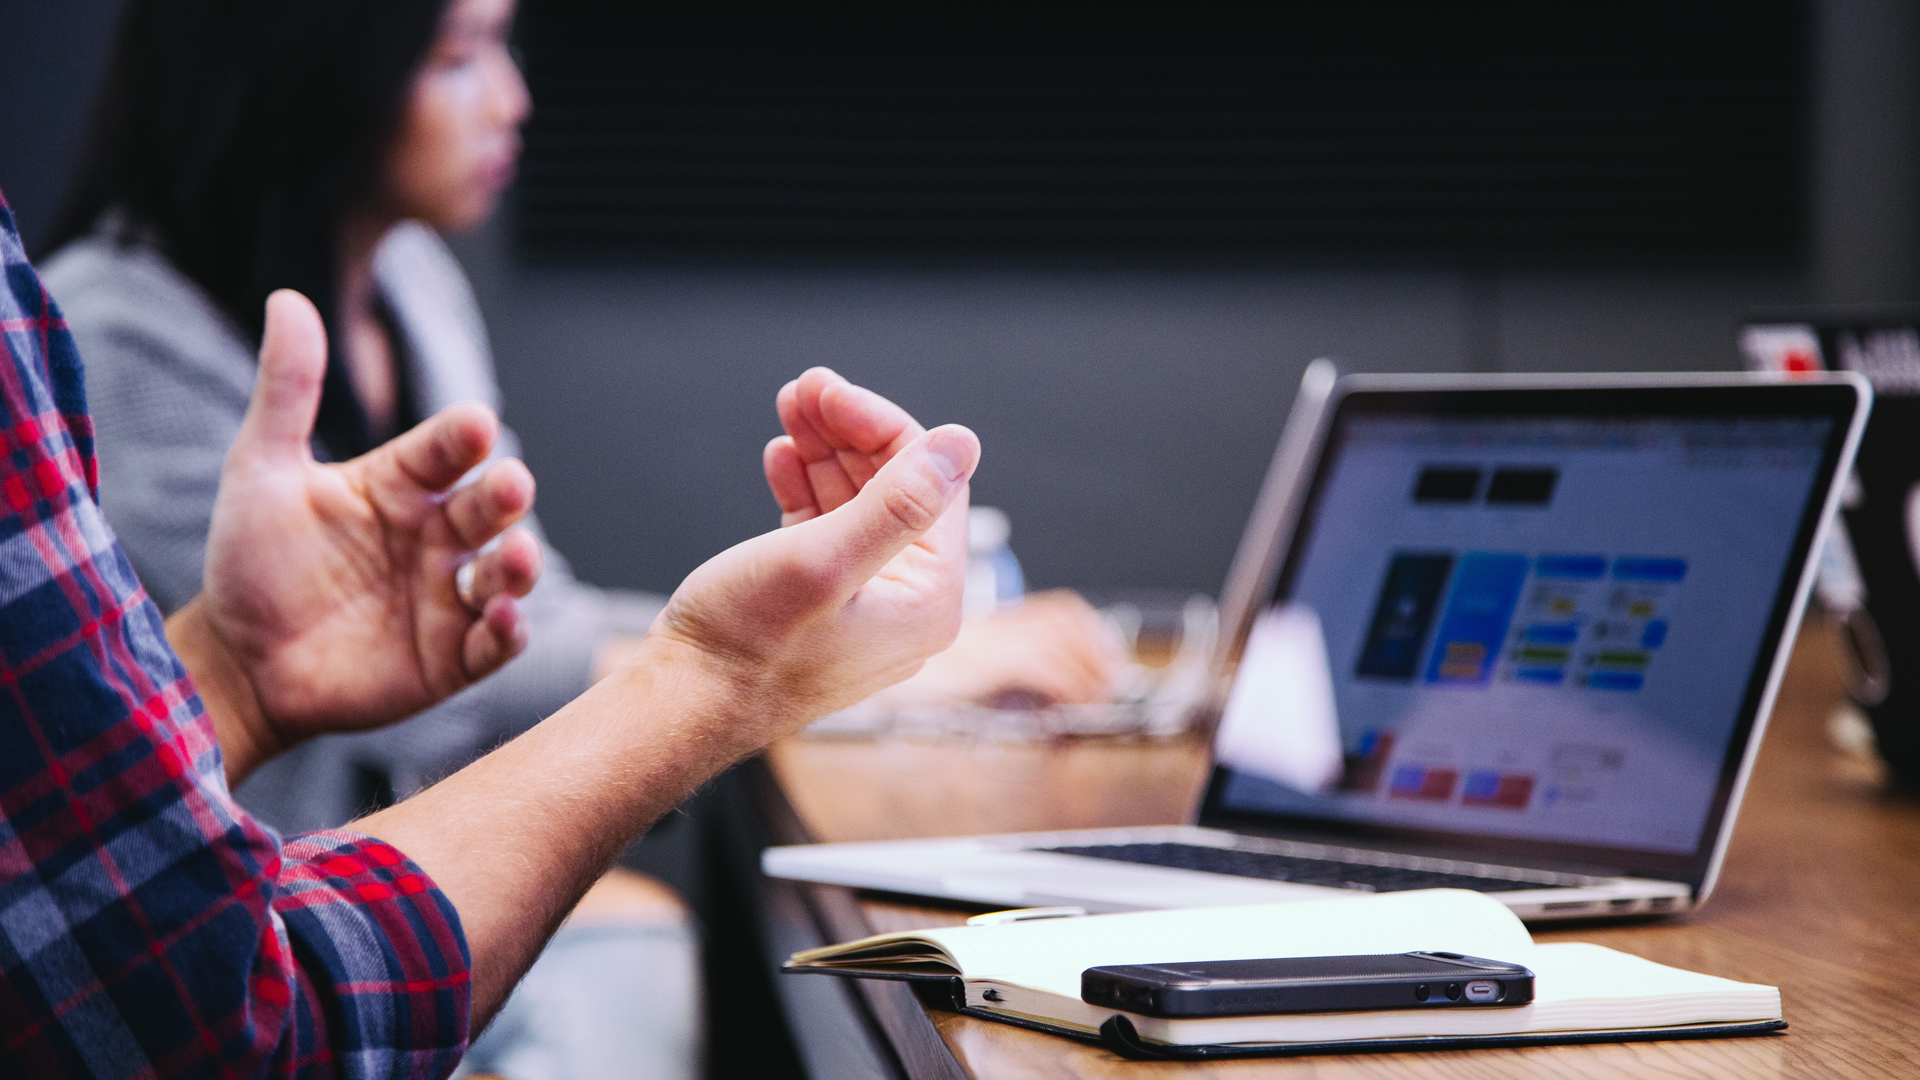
237	133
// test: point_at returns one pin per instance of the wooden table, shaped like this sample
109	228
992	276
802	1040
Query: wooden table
1820	896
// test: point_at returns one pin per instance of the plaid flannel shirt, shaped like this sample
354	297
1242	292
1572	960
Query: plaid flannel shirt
148	926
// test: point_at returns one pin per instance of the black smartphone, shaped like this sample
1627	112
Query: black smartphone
1416	980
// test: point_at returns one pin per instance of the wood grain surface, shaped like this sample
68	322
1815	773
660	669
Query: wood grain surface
1820	896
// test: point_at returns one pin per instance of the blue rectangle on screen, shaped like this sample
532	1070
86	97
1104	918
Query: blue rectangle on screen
1631	568
1616	680
1481	785
1486	587
1654	634
1578	567
1553	633
1552	676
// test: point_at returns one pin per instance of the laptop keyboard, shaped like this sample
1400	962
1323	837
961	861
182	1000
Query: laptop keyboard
1332	873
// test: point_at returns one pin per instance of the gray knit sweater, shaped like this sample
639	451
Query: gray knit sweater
168	380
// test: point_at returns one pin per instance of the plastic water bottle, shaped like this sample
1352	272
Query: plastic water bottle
993	574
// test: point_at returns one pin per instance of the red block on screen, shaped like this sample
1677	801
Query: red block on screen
1513	792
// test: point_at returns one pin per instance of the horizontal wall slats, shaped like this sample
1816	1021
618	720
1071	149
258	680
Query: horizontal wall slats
1544	128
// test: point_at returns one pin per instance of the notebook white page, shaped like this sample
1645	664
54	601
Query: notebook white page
1577	987
1050	954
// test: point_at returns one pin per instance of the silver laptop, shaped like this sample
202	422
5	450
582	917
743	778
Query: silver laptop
1513	634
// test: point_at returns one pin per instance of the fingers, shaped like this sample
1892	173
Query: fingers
842	434
807	390
903	501
856	418
490	505
286	393
510	569
496	637
872	428
807	438
441	449
787	477
831	484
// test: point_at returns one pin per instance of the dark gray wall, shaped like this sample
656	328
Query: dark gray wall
50	55
1866	167
1127	413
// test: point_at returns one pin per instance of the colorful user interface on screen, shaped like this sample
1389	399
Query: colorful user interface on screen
1534	628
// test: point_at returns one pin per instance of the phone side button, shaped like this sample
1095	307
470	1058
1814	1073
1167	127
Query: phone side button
1483	991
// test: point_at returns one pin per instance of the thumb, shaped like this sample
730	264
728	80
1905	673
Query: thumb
286	394
903	501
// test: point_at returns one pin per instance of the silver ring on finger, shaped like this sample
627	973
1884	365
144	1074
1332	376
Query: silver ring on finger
463	585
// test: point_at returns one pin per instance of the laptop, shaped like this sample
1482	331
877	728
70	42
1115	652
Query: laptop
1517	634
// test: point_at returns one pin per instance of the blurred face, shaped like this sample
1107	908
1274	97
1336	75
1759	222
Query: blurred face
460	136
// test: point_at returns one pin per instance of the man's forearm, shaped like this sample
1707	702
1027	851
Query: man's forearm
515	838
790	625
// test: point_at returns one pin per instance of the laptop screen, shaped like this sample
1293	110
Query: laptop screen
1547	627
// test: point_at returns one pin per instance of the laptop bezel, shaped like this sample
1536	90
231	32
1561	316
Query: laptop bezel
1271	550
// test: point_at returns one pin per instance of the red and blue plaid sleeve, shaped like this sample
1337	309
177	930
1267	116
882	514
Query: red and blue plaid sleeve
148	926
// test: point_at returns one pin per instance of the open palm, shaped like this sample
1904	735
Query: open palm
333	586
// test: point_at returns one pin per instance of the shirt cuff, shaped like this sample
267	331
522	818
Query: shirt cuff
381	956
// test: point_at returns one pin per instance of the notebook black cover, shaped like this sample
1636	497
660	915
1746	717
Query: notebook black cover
1118	1035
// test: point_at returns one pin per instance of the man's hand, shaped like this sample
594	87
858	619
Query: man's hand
862	586
330	601
863	583
1050	648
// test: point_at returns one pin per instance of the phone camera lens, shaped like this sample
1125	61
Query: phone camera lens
1421	993
1453	991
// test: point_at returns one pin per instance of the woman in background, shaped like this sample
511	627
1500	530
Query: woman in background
241	146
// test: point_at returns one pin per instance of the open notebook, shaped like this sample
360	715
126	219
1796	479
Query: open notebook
1028	973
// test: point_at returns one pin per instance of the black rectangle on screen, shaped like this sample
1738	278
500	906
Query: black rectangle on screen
1527	487
1447	483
